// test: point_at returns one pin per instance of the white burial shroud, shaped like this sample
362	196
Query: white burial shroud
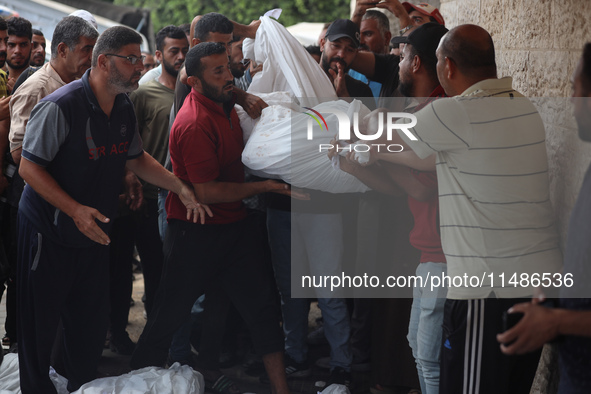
277	144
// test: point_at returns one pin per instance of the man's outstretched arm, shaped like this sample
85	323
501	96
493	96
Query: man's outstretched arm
147	168
46	186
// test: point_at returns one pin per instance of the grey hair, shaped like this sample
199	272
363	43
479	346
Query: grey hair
69	30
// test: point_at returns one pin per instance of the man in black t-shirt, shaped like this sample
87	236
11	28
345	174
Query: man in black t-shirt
339	48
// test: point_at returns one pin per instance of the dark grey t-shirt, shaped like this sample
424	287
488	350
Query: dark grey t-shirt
575	352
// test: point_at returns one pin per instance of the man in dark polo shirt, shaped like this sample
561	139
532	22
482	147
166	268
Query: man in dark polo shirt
79	141
205	148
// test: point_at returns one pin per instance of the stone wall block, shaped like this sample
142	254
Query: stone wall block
492	16
547	73
469	12
527	24
570	27
449	10
515	64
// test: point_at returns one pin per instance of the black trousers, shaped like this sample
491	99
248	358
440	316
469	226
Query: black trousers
57	282
471	358
149	247
120	260
196	256
8	242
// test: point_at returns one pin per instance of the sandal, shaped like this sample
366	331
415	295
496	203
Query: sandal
223	385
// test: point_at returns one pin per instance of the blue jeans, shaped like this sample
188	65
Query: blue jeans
180	347
425	328
162	223
316	241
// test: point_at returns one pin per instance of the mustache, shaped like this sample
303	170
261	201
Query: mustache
339	60
229	83
363	47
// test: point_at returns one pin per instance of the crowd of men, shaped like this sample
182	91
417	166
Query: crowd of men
106	148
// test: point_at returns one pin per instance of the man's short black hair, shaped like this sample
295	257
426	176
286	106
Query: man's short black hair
3	25
313	50
193	64
69	30
37	32
170	31
19	27
186	28
586	69
212	23
113	39
428	62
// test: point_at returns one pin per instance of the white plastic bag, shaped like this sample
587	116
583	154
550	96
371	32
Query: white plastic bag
279	148
287	66
336	389
276	98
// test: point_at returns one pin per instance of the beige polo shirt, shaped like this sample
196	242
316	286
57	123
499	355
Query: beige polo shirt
42	83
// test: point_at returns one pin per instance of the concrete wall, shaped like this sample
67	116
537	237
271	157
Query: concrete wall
538	43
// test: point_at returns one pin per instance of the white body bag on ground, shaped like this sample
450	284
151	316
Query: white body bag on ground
151	380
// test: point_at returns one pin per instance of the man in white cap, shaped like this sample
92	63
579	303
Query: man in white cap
87	16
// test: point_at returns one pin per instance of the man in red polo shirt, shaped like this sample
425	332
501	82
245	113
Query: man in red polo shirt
205	148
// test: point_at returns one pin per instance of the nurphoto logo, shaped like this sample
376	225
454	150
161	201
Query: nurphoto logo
344	132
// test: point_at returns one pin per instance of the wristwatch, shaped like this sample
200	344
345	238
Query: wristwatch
407	28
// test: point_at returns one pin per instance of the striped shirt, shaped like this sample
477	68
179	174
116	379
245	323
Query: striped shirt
495	211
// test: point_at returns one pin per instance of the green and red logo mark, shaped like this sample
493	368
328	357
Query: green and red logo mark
316	119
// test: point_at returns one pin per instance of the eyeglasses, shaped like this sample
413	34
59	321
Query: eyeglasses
132	59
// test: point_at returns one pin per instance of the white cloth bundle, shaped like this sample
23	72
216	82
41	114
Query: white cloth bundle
178	379
279	148
287	66
276	143
276	98
9	378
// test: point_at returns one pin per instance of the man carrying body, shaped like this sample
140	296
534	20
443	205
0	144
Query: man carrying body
571	320
375	38
78	142
309	234
418	78
205	147
486	190
384	68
